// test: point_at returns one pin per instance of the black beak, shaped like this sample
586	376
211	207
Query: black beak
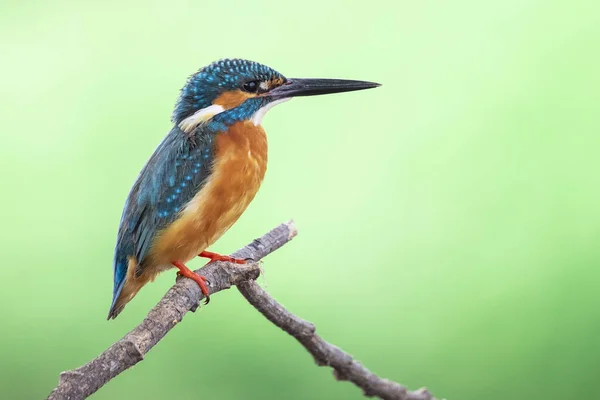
312	87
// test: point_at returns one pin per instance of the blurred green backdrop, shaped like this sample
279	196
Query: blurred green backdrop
448	220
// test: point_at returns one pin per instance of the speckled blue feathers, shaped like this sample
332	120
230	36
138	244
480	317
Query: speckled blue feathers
172	176
219	77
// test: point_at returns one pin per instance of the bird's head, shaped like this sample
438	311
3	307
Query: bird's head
232	90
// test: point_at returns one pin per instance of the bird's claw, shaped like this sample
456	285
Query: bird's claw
206	295
218	257
199	279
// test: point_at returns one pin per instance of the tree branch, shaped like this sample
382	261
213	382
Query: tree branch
185	296
345	368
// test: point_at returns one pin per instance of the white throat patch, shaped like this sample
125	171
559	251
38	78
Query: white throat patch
190	123
258	116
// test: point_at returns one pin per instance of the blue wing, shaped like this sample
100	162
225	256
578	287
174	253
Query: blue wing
177	170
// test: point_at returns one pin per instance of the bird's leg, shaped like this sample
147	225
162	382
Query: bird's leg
218	257
199	279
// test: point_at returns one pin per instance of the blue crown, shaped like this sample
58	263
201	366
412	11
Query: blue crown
206	85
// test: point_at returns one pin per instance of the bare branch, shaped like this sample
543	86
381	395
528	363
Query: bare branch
345	368
185	296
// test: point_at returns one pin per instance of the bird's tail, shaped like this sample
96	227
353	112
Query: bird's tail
118	303
127	285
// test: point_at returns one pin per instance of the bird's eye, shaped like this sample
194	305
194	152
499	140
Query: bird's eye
251	87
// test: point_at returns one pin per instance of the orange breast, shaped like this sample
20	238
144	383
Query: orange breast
240	166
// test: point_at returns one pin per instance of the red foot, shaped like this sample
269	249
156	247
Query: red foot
217	257
200	280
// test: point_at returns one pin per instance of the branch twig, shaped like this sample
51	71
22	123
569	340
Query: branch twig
345	368
185	296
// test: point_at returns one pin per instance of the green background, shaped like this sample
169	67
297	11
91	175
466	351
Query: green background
448	221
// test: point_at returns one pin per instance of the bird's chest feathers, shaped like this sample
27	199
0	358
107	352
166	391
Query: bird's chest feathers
240	162
239	168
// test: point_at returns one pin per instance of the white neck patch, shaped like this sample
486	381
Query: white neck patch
190	123
258	116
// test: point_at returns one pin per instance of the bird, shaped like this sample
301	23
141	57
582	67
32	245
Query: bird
204	173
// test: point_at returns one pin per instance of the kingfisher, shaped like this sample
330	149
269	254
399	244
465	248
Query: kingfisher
204	173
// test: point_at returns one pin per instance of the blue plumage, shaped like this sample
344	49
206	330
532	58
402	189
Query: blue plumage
221	76
176	171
